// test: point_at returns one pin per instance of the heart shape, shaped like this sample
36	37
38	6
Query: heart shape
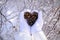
31	17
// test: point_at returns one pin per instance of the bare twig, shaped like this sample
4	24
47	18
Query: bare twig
53	18
6	18
54	14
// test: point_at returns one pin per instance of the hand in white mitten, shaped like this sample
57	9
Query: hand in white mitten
26	28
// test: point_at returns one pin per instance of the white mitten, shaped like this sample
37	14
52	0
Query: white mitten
33	31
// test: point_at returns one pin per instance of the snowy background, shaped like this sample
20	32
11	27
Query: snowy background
51	16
